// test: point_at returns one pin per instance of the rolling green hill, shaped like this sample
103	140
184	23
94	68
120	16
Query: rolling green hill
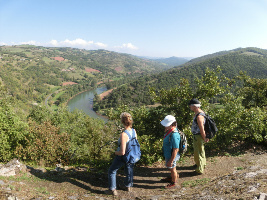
253	61
30	73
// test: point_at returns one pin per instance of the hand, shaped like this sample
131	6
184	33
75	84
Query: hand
169	163
207	139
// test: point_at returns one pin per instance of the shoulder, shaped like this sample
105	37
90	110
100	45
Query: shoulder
176	134
124	134
200	115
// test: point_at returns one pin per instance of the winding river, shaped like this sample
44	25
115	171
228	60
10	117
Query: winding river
84	102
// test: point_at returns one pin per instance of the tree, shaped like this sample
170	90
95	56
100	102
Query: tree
254	92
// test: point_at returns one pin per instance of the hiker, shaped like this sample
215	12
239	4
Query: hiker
171	143
118	162
199	136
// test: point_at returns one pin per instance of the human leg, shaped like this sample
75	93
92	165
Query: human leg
112	172
199	153
174	174
174	179
196	150
128	170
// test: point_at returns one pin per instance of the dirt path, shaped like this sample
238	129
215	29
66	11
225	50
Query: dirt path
80	184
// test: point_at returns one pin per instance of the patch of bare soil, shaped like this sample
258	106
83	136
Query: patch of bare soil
104	94
92	70
68	83
241	175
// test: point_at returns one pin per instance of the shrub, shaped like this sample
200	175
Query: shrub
12	132
45	144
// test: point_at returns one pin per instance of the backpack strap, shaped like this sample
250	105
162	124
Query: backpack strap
172	133
134	133
128	133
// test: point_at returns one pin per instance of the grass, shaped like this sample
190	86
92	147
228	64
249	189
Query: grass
21	177
239	168
42	190
58	95
197	182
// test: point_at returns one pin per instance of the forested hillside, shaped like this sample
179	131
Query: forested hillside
252	61
31	73
172	61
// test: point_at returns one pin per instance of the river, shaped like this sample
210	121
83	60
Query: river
84	102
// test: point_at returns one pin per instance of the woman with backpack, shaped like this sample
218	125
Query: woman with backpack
171	143
199	136
118	162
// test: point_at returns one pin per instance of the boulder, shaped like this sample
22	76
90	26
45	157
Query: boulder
12	168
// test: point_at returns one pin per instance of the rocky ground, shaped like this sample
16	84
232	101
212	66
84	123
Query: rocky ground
236	175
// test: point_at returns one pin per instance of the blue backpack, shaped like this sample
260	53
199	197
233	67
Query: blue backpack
132	152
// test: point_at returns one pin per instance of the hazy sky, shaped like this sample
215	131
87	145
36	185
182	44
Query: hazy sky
156	28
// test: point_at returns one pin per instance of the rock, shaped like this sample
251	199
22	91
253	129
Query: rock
2	182
263	196
73	197
12	168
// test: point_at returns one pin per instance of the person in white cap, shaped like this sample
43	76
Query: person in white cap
199	136
171	143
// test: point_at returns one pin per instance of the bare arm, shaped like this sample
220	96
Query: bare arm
124	138
174	153
200	122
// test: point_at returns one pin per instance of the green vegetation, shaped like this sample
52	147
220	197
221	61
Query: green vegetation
30	73
40	135
253	61
196	182
235	120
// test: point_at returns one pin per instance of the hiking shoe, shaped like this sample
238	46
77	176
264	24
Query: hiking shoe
194	166
172	185
195	173
111	192
167	179
123	187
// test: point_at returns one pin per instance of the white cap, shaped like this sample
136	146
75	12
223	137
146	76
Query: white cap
168	120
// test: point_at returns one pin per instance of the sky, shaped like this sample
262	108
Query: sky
151	28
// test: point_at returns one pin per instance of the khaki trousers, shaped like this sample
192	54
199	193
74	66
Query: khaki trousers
199	153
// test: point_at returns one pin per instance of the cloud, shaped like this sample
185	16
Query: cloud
3	44
77	43
31	42
127	46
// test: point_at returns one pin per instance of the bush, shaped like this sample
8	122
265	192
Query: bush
151	149
12	132
45	144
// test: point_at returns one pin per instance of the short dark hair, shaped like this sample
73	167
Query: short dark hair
194	101
174	124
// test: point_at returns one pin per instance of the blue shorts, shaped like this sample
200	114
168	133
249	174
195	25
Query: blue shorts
174	161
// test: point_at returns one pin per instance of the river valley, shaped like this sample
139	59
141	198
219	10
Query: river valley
84	102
